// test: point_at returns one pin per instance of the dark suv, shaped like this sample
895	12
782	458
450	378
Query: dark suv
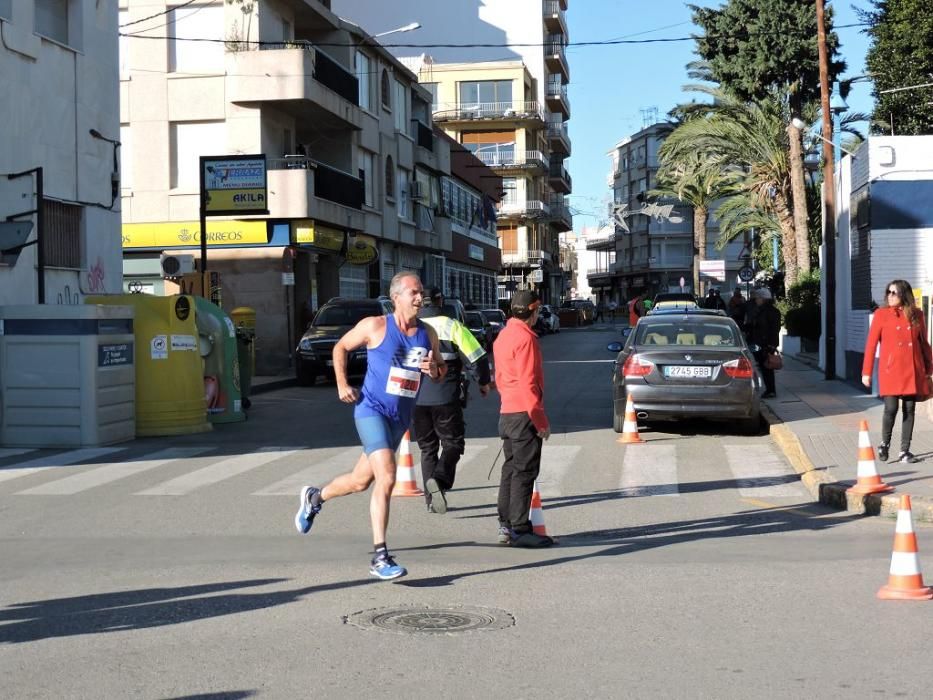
314	354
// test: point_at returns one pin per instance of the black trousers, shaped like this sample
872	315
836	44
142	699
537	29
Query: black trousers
907	419
521	448
766	374
440	428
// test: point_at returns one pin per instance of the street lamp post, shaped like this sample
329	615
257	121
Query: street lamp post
406	28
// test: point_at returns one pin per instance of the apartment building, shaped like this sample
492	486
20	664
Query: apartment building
653	250
506	99
354	169
59	151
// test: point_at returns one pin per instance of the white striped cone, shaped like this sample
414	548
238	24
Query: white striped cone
536	515
867	478
905	582
405	482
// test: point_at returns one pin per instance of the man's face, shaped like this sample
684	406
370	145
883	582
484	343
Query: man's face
412	295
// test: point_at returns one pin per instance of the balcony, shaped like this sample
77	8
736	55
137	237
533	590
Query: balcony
303	81
527	209
516	111
555	57
560	212
607	242
599	276
554	17
557	99
559	138
303	188
514	160
522	258
559	178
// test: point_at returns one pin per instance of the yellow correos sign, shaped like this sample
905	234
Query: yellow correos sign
178	234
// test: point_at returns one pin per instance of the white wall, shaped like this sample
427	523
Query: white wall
53	96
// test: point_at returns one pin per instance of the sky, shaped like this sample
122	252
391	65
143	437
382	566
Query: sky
611	85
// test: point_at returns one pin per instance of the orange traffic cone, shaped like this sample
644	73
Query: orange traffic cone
537	512
868	479
905	581
405	483
630	425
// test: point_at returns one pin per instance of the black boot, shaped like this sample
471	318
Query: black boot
883	452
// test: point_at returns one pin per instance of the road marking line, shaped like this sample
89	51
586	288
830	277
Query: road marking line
757	502
219	471
556	461
649	470
63	459
760	472
114	471
14	451
319	473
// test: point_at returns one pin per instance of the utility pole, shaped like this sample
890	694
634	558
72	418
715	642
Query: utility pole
829	196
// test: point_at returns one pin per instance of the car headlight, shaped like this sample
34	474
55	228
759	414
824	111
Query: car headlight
305	344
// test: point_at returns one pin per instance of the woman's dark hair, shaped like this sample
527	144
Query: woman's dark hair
906	294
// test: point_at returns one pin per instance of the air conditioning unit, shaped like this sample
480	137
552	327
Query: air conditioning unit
176	265
417	190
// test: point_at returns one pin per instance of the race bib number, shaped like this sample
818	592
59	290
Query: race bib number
403	382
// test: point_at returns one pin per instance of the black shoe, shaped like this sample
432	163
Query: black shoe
769	395
883	453
438	500
530	540
907	457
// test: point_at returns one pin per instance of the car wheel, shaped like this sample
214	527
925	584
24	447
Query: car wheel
618	421
306	375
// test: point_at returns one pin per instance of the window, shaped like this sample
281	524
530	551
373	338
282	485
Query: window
363	70
366	175
126	157
204	21
404	193
432	88
486	92
123	46
52	19
390	177
401	107
386	90
61	237
188	142
510	186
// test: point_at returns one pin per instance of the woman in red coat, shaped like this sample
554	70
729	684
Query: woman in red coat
904	364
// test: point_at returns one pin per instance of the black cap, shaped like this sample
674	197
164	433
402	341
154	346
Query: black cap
524	302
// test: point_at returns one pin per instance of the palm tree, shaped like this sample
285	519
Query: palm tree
698	181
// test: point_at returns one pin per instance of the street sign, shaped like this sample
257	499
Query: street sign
713	269
746	274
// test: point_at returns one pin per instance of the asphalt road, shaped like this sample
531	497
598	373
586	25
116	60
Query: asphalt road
690	566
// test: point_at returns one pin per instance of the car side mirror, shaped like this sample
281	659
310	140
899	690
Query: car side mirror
614	347
626	332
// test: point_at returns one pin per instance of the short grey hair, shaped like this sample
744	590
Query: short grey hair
395	286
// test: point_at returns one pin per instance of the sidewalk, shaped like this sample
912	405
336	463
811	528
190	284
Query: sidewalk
816	422
263	383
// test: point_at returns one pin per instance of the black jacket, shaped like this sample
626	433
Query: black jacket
764	328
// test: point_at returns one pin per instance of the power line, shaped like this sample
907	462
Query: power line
157	14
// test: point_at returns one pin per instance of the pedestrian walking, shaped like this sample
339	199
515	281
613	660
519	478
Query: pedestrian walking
612	310
523	424
736	308
636	309
905	364
714	300
438	418
399	349
600	307
764	330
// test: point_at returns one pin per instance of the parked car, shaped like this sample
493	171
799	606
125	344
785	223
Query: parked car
454	309
314	354
481	329
496	318
679	300
585	308
548	320
686	365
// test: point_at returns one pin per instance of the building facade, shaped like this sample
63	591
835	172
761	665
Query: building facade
60	115
508	101
355	171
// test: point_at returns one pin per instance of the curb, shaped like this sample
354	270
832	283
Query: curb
833	493
273	385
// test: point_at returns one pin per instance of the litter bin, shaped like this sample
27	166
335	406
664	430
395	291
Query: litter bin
218	346
67	375
169	380
244	318
244	347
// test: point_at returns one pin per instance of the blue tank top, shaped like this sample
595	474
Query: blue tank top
393	374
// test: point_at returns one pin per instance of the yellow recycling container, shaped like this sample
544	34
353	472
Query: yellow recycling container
169	378
244	318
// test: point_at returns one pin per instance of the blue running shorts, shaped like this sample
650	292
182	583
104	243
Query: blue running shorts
379	433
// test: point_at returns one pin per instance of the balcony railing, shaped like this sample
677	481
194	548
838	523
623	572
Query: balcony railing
555	89
559	172
489	110
529	207
329	183
516	257
600	243
331	74
512	159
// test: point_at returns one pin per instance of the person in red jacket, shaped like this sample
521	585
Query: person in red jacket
523	425
904	364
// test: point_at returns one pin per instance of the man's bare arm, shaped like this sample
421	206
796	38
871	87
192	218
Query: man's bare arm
360	334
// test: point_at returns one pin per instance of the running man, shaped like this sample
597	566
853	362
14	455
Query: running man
399	349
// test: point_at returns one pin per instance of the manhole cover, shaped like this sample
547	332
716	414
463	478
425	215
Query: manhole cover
417	619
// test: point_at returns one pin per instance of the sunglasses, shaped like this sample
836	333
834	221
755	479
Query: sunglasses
893	292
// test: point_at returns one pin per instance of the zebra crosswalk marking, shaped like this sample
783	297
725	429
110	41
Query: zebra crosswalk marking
761	473
219	471
649	470
556	461
63	459
13	451
107	473
318	473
